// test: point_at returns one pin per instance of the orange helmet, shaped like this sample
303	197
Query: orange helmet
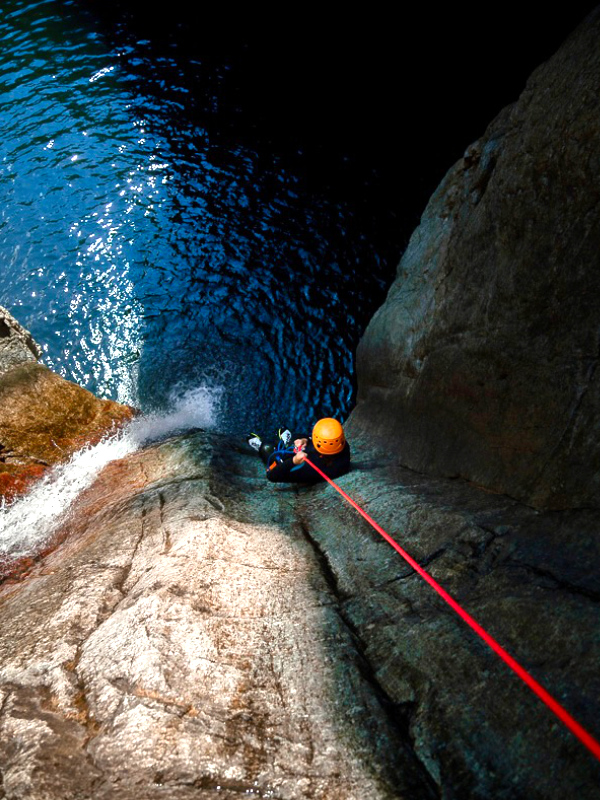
328	436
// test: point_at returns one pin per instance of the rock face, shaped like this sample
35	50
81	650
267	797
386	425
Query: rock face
16	344
201	633
183	642
529	578
44	419
482	363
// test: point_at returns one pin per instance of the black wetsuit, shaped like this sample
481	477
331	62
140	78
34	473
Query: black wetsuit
285	471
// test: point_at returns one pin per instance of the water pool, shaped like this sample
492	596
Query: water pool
149	254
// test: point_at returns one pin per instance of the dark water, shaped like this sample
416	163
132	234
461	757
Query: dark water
192	202
149	253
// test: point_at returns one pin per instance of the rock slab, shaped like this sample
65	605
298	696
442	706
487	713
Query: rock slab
201	633
183	643
483	361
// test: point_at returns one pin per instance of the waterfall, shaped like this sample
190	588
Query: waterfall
29	521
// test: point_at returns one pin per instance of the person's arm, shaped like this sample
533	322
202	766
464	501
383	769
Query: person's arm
280	472
299	456
300	443
301	435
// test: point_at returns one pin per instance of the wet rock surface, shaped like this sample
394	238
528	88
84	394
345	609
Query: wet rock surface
200	628
184	642
529	578
44	419
200	633
482	363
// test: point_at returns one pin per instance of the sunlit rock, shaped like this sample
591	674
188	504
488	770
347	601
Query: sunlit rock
16	344
184	642
44	419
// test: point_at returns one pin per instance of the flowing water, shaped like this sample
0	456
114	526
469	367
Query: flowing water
152	256
28	523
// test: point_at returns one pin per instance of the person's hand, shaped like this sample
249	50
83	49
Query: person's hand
299	457
300	443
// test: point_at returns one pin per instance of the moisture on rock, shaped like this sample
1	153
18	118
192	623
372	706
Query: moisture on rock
199	628
200	633
44	419
183	643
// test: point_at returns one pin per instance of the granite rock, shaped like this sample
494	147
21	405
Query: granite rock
529	578
17	345
183	642
482	362
202	633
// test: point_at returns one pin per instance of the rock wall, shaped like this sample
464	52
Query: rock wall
528	577
482	362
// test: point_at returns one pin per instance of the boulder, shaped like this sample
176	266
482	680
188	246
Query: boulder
482	362
44	419
17	345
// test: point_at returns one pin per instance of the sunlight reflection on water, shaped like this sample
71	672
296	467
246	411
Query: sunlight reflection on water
142	251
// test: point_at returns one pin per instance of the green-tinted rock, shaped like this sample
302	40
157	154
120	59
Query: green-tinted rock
16	344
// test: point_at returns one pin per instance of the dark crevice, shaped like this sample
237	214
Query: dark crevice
161	505
326	569
398	716
4	702
119	584
410	573
560	583
85	718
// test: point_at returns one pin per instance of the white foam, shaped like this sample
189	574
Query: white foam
29	522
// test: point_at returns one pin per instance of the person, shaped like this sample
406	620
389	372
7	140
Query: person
326	447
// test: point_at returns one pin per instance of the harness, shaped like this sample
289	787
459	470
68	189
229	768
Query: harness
278	455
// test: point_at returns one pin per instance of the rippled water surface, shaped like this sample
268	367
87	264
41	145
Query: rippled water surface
148	254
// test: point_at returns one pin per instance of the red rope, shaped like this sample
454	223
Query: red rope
584	737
